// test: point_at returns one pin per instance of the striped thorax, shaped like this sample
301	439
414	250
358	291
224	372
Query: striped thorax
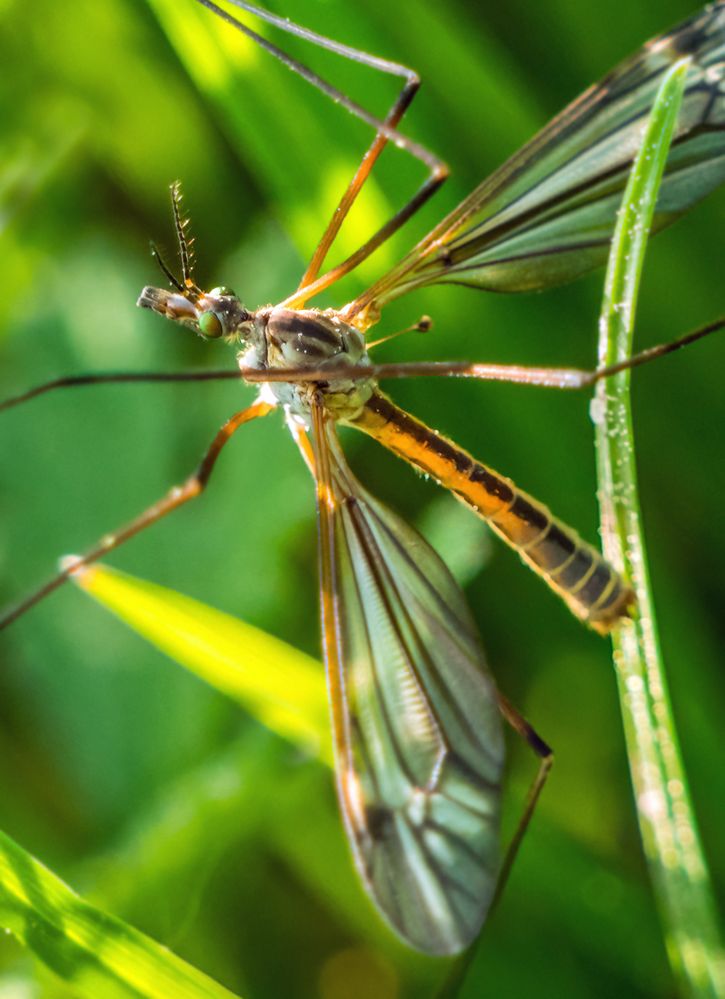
277	338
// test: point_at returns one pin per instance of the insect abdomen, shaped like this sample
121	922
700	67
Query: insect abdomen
574	569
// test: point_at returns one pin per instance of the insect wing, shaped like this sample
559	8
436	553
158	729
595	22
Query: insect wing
547	215
418	737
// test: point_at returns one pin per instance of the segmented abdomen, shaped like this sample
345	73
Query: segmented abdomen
574	569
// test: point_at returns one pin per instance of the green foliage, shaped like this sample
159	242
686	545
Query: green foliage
97	954
275	683
150	792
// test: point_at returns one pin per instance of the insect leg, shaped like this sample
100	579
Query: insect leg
303	443
546	756
120	377
326	504
459	970
429	187
402	103
561	378
386	131
176	497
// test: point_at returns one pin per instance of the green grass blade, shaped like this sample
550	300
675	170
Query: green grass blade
96	953
677	866
281	686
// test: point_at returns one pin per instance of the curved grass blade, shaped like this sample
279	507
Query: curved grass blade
415	715
279	685
547	215
669	832
94	952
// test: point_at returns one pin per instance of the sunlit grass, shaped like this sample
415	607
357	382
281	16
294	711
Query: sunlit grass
95	953
277	684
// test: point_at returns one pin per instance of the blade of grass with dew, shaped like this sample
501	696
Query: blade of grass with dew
676	862
276	683
96	953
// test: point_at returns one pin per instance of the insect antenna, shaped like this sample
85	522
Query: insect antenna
172	279
186	244
386	131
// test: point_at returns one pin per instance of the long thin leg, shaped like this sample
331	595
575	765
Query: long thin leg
522	728
561	378
303	443
546	755
176	497
121	377
386	131
426	191
402	103
329	621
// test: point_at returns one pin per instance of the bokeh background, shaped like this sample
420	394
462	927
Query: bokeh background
147	791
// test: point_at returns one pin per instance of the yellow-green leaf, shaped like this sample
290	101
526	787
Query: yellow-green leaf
278	684
100	956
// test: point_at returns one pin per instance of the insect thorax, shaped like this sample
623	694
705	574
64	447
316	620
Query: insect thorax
311	339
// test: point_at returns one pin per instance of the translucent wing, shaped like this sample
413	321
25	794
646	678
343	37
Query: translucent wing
417	730
547	215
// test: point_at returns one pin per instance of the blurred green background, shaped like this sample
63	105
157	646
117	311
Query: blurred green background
149	792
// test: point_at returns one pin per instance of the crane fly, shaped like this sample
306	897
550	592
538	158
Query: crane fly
416	718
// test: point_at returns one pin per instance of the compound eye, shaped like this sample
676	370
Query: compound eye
222	291
210	325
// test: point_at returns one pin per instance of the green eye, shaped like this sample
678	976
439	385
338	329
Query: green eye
210	325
